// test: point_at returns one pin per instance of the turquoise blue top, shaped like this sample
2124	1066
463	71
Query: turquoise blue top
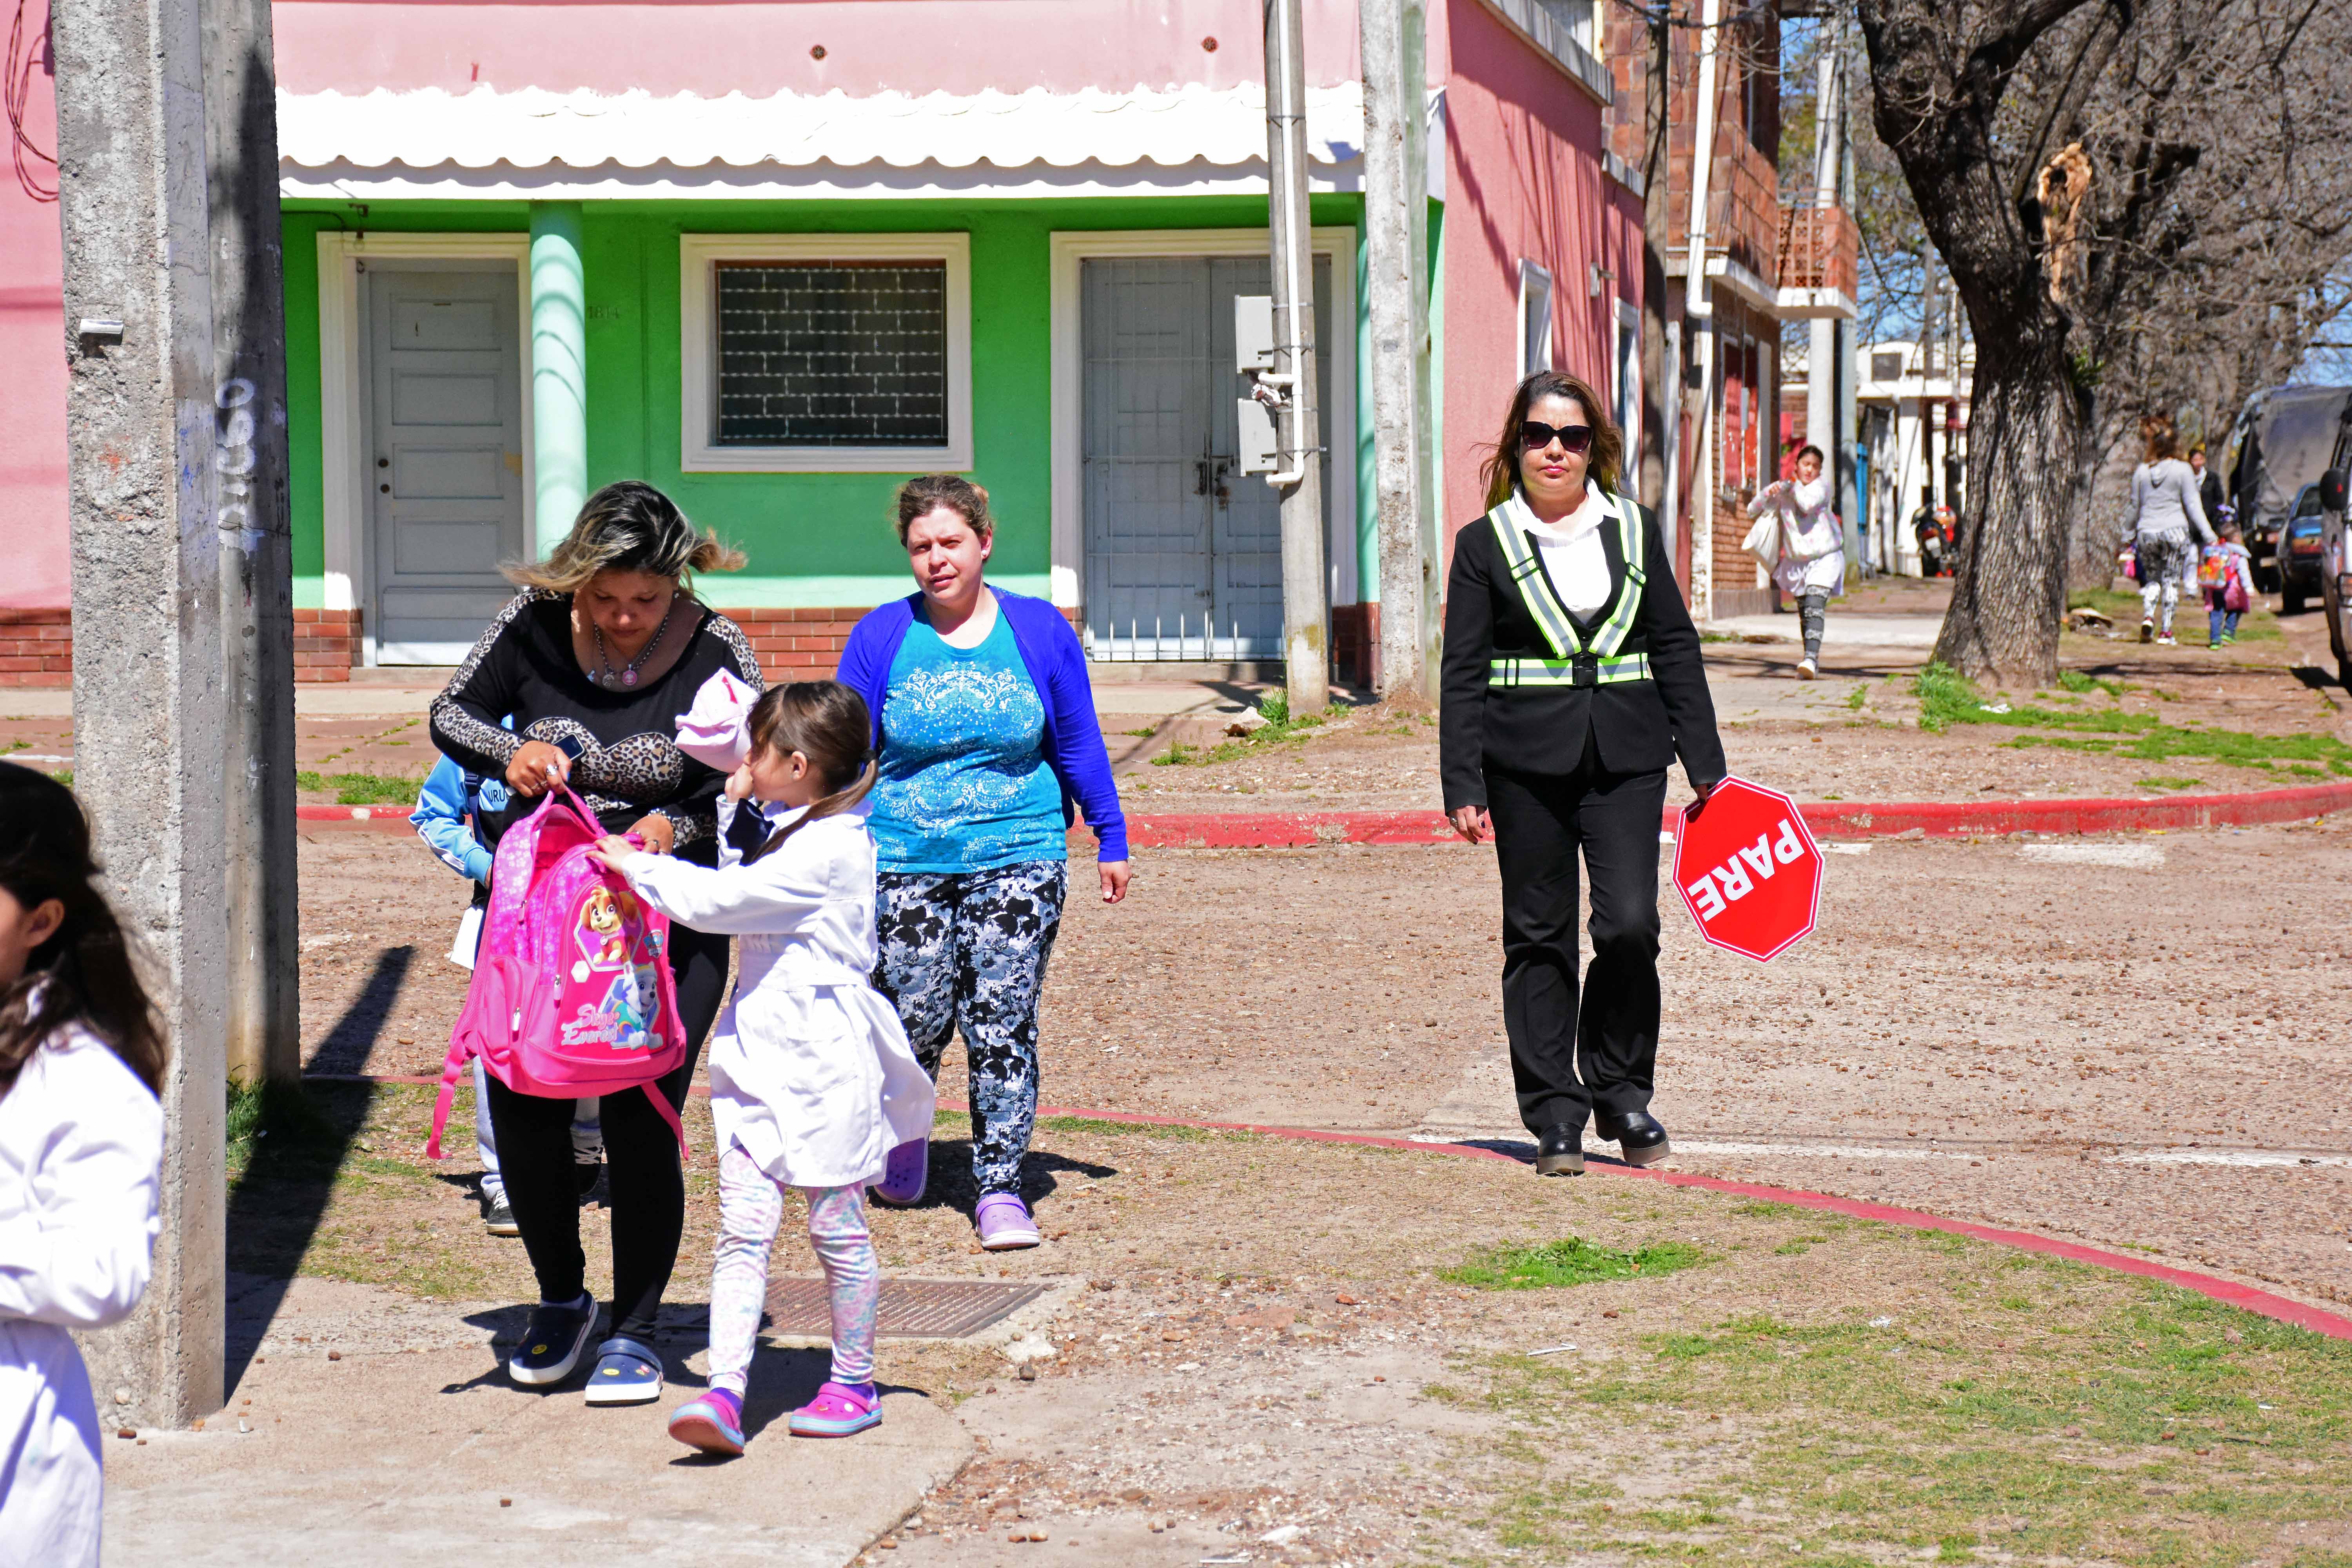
964	781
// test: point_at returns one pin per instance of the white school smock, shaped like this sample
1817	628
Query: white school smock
81	1147
1812	546
810	1069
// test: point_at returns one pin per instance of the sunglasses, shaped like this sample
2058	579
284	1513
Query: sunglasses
1535	436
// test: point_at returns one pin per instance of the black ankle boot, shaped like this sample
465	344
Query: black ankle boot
1560	1150
1637	1135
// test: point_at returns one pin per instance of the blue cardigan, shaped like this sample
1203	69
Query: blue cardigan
1050	652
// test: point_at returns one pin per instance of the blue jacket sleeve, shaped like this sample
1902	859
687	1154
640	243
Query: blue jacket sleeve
440	820
865	657
1079	753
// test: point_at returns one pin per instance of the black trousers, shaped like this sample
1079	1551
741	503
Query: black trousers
1541	821
645	1185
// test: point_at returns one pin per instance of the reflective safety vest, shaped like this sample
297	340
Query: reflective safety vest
1575	662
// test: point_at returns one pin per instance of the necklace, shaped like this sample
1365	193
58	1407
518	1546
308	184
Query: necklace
627	675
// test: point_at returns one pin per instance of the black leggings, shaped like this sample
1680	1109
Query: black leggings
647	1188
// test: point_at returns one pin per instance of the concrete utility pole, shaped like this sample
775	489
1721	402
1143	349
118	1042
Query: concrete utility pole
1394	203
1306	601
183	660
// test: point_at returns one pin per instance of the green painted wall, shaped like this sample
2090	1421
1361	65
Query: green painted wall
813	539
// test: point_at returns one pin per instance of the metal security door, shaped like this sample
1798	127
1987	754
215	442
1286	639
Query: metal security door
1183	551
444	474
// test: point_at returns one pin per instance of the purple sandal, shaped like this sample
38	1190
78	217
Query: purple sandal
839	1410
713	1422
905	1174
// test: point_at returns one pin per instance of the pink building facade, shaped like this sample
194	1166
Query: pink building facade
775	258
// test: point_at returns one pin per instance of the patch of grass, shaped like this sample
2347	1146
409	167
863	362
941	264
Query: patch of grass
1574	1261
1945	699
1279	728
1098	1128
1857	697
2168	782
2070	1416
2074	681
362	789
1143	735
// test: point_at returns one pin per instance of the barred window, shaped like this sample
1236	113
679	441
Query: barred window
832	353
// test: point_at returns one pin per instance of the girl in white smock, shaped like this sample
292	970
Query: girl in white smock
82	1143
812	1082
1812	565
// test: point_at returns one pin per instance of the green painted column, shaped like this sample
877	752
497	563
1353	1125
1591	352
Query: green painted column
558	371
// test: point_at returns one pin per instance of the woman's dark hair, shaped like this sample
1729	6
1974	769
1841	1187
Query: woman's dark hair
83	974
628	526
926	493
828	723
1602	464
2162	440
1815	453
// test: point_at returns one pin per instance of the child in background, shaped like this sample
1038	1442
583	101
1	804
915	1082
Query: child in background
81	1147
2233	594
811	1080
448	817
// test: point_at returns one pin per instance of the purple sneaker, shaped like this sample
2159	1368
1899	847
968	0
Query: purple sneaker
905	1174
1003	1222
839	1410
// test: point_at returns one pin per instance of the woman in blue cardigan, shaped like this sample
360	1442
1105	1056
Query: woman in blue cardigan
984	729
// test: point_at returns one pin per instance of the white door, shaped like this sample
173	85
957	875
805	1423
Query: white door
1183	552
444	474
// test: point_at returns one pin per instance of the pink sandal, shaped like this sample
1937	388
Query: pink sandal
839	1410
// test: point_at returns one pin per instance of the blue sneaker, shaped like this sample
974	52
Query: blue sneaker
553	1341
627	1372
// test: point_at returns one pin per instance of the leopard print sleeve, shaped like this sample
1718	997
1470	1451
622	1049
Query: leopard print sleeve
465	717
739	648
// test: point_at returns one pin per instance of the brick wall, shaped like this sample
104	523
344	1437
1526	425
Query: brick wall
795	645
326	644
37	646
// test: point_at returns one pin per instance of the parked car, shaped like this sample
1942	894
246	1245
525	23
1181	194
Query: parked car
2279	444
2335	560
2300	549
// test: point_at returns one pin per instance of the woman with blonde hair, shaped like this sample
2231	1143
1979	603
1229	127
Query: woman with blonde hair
2164	507
595	659
1571	678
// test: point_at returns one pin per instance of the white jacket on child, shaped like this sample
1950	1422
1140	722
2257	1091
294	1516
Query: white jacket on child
81	1146
1812	545
810	1069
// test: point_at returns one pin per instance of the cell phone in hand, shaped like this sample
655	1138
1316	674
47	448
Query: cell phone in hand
570	745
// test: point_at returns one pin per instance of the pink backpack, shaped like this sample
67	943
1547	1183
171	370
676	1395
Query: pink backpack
572	993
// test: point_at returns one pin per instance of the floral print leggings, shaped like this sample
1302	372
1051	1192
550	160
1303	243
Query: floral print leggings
967	949
751	1206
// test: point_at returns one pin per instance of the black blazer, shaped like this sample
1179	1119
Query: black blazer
1639	727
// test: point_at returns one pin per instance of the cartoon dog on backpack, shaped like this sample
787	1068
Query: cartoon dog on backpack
603	936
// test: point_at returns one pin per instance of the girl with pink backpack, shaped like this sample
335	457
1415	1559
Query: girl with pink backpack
811	1080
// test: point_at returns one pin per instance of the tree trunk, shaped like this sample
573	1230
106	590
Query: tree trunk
2027	421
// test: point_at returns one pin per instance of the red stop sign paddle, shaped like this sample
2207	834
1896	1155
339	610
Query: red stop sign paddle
1749	870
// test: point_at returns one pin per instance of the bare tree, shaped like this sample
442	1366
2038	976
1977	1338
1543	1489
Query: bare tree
2194	250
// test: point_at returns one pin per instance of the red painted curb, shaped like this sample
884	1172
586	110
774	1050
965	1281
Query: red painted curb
1933	819
2227	1291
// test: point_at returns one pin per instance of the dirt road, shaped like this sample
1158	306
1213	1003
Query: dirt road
2138	1041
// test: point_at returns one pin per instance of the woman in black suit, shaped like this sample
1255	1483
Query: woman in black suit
1572	680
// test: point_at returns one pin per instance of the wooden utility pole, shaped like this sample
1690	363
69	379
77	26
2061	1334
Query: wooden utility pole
182	586
1396	214
1306	601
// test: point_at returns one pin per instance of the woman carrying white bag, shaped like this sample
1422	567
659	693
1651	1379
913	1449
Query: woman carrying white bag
1803	545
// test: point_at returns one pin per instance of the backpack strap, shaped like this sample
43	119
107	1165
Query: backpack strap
661	1103
461	1051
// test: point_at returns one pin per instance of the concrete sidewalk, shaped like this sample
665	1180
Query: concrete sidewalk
411	1447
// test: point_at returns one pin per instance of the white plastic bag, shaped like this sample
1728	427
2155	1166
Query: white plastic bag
1763	541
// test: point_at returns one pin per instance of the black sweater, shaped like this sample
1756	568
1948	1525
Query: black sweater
1638	727
630	765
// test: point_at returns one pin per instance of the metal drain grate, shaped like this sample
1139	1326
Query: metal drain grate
910	1308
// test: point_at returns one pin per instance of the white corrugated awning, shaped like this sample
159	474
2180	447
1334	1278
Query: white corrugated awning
534	128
